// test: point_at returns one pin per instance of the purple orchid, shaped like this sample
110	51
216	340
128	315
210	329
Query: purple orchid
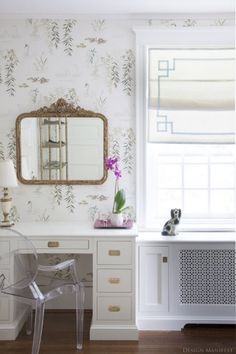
117	172
110	162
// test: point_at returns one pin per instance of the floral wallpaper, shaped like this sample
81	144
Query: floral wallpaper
91	63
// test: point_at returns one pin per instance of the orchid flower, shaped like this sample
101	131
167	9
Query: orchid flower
111	164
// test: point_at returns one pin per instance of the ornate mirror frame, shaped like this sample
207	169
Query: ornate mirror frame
60	108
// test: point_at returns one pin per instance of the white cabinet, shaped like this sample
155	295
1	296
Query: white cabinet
153	279
185	279
114	280
114	292
4	308
7	306
114	308
112	252
5	269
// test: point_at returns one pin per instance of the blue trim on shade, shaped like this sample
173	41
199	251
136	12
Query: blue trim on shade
171	129
171	66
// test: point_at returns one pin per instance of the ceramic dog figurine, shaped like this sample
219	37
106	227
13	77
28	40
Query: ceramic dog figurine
169	229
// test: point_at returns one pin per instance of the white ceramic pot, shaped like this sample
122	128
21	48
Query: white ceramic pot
117	219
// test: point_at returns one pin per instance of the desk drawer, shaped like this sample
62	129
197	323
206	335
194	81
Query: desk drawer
110	252
114	308
54	243
114	280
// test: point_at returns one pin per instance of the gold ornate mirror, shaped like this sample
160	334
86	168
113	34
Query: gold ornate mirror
61	144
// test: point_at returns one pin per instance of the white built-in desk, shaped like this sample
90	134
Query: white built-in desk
113	253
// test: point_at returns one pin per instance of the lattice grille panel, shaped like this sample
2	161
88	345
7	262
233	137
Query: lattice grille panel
207	277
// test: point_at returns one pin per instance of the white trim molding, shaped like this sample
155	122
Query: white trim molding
177	37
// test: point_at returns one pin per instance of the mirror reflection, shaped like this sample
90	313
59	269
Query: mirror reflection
61	149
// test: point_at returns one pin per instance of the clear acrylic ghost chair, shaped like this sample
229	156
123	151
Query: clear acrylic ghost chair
23	257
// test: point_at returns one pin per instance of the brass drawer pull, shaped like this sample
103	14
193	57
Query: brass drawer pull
164	259
114	280
114	308
114	252
53	244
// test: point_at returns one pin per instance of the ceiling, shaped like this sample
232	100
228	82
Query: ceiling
114	7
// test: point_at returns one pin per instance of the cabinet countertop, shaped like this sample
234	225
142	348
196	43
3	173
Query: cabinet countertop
68	228
156	236
80	229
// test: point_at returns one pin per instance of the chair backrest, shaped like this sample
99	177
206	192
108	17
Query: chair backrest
20	253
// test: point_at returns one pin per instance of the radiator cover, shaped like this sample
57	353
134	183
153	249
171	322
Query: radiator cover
207	276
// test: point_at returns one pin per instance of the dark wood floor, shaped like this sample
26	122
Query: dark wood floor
59	338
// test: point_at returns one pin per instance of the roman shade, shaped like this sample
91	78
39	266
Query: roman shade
191	95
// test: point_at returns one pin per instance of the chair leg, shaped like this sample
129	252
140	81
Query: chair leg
38	326
79	315
29	322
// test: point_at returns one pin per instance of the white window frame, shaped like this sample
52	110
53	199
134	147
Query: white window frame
147	37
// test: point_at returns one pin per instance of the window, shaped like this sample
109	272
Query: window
198	179
186	152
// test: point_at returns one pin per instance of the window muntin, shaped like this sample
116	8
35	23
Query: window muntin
199	179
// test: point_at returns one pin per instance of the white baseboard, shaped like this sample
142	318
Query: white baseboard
113	332
10	331
176	323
